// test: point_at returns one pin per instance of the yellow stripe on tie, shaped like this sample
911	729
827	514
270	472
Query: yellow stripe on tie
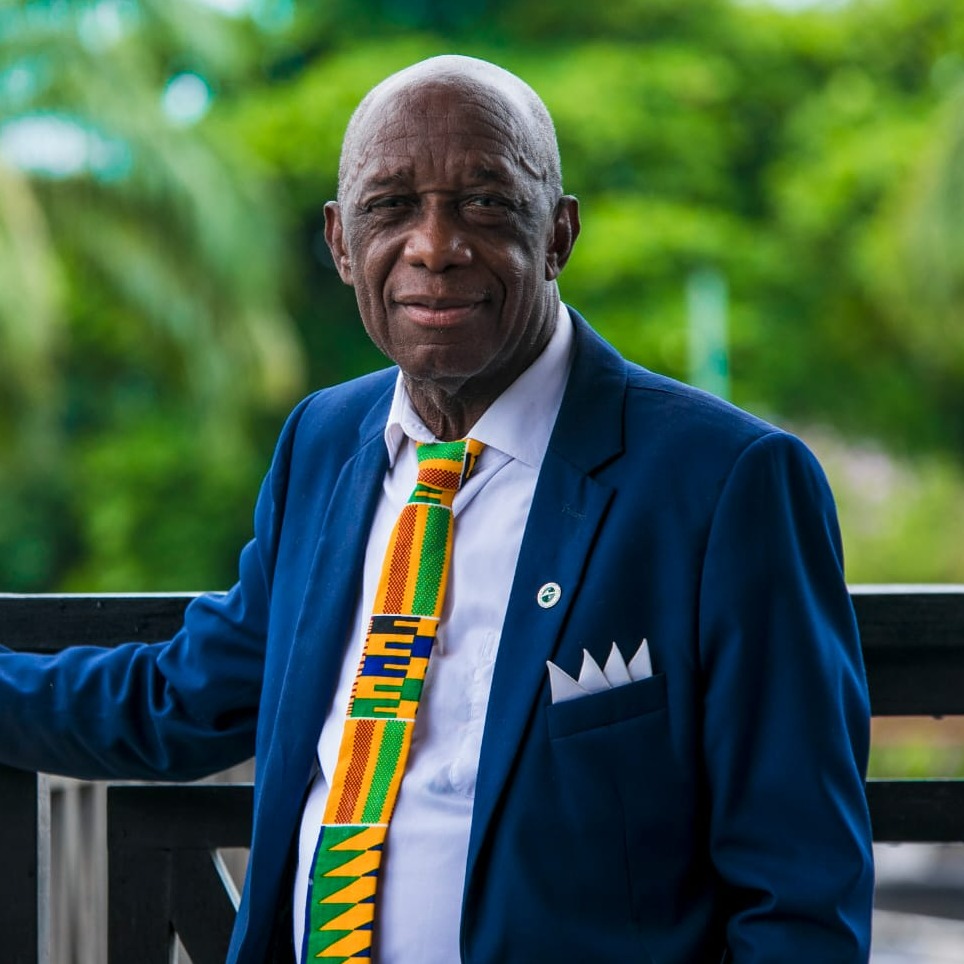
353	918
365	839
355	892
417	668
350	785
385	688
369	777
363	864
411	581
348	945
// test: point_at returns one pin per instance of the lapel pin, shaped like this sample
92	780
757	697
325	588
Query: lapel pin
549	595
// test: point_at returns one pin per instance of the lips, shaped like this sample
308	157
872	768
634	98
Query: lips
435	312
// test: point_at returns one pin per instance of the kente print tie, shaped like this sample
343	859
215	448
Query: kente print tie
382	708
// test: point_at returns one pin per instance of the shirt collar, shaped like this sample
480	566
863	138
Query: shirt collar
519	422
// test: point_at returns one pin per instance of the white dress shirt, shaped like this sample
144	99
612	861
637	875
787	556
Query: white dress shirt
423	867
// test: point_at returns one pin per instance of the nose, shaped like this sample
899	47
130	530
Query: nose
436	240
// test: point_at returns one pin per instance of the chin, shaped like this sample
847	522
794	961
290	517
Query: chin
440	366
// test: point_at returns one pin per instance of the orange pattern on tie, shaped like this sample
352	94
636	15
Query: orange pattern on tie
340	914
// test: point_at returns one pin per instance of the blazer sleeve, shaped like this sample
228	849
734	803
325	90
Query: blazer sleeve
176	710
786	725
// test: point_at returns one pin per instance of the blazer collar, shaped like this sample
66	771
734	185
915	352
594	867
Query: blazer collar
589	430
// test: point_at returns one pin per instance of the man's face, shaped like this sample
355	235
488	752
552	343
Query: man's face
450	240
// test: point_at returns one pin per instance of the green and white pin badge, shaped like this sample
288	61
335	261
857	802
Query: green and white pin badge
548	595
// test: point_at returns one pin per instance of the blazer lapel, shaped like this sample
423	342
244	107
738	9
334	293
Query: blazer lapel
330	594
567	509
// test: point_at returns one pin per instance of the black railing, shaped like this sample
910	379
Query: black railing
165	875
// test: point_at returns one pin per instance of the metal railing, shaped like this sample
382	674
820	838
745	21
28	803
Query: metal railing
166	876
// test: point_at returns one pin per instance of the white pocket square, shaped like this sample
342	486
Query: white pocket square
592	679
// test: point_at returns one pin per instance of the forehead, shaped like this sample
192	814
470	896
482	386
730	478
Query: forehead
458	131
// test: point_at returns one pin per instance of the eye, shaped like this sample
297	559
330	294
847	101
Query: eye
488	209
392	202
487	201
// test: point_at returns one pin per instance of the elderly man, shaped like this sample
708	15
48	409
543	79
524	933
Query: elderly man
641	721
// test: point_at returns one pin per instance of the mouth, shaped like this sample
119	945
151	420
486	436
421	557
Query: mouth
434	312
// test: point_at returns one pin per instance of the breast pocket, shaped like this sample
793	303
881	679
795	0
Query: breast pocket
622	791
607	707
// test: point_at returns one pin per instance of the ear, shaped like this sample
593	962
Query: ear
565	230
335	236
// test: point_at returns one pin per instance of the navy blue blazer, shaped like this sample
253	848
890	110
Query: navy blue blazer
714	811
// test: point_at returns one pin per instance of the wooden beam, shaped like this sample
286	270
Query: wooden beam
916	811
19	837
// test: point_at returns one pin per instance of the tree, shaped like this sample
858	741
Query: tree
143	266
180	273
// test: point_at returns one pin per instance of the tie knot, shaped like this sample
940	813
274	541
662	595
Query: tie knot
442	468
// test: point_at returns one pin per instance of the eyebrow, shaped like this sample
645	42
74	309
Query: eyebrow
482	173
394	179
400	178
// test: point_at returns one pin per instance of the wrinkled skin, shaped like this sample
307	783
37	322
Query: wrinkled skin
452	239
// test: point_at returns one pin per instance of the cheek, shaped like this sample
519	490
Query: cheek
368	278
521	274
377	328
367	251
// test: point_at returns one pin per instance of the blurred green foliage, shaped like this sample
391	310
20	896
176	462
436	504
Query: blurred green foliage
164	300
917	760
916	748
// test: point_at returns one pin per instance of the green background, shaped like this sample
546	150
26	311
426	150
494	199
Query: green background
165	293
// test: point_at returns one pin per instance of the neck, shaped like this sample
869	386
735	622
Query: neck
447	416
450	410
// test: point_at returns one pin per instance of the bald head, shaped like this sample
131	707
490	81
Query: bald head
508	96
